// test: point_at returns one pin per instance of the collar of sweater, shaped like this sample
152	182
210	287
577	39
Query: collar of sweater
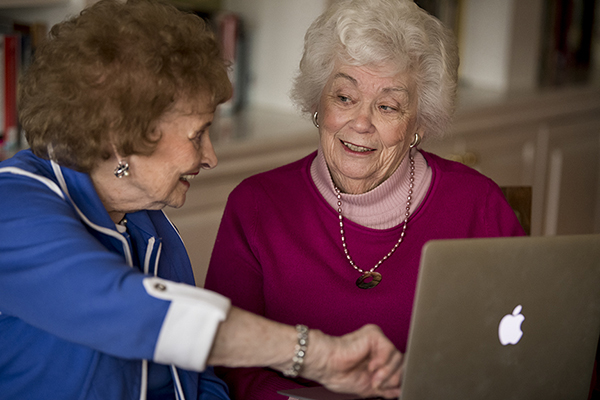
383	207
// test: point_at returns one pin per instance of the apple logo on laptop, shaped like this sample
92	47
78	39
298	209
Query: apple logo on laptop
509	330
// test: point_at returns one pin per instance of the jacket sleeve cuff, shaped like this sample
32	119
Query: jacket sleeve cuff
189	328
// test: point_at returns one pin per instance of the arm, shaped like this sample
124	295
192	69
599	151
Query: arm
57	276
363	362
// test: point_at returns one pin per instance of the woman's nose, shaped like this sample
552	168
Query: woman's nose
209	157
363	120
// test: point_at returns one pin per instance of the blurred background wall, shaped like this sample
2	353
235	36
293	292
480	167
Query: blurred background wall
528	113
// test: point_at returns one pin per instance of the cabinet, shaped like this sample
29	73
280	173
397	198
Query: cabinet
507	155
550	142
572	202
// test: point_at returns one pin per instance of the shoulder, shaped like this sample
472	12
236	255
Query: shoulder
287	178
455	181
285	171
471	196
27	173
26	164
455	173
448	166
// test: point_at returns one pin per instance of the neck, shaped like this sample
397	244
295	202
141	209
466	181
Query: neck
349	185
116	216
381	207
108	188
355	186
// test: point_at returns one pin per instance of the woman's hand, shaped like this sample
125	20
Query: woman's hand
364	362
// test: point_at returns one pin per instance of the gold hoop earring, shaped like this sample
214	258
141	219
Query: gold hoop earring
314	119
416	141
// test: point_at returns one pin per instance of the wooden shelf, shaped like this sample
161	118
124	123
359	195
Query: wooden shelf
197	5
200	5
29	3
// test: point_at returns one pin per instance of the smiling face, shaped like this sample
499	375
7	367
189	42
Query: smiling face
162	178
367	120
183	149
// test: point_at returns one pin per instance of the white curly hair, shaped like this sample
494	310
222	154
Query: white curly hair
383	32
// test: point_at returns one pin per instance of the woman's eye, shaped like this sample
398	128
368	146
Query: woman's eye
387	108
344	99
198	135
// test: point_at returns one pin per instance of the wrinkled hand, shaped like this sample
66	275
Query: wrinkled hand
363	362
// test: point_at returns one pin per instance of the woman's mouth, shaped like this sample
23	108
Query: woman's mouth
356	148
187	177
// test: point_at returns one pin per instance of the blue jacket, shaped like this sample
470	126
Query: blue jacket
86	311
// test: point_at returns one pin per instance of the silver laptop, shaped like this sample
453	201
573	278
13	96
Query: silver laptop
501	318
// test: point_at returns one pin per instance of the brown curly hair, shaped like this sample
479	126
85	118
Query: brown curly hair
110	73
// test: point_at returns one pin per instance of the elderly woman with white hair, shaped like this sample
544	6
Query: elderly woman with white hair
334	240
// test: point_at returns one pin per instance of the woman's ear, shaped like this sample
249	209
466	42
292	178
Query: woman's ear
122	168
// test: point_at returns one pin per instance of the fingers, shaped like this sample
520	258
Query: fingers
385	363
381	362
364	362
389	375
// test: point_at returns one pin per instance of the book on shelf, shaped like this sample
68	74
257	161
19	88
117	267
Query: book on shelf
11	66
231	33
17	46
568	42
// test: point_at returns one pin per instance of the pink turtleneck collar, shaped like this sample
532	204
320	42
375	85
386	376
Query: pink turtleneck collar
383	207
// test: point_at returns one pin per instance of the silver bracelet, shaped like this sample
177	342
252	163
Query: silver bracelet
299	352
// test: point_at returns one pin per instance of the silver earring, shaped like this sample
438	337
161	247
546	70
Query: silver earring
315	116
122	169
416	141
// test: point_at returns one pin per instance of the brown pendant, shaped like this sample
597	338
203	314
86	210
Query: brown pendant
368	280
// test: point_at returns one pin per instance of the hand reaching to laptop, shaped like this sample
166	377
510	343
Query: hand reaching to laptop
363	362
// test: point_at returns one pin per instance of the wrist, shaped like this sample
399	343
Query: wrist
300	349
319	351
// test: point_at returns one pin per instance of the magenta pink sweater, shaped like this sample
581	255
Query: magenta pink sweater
278	253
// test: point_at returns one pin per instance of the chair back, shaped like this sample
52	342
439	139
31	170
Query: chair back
519	198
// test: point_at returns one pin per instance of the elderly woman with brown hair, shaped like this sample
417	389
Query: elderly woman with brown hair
96	290
334	240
